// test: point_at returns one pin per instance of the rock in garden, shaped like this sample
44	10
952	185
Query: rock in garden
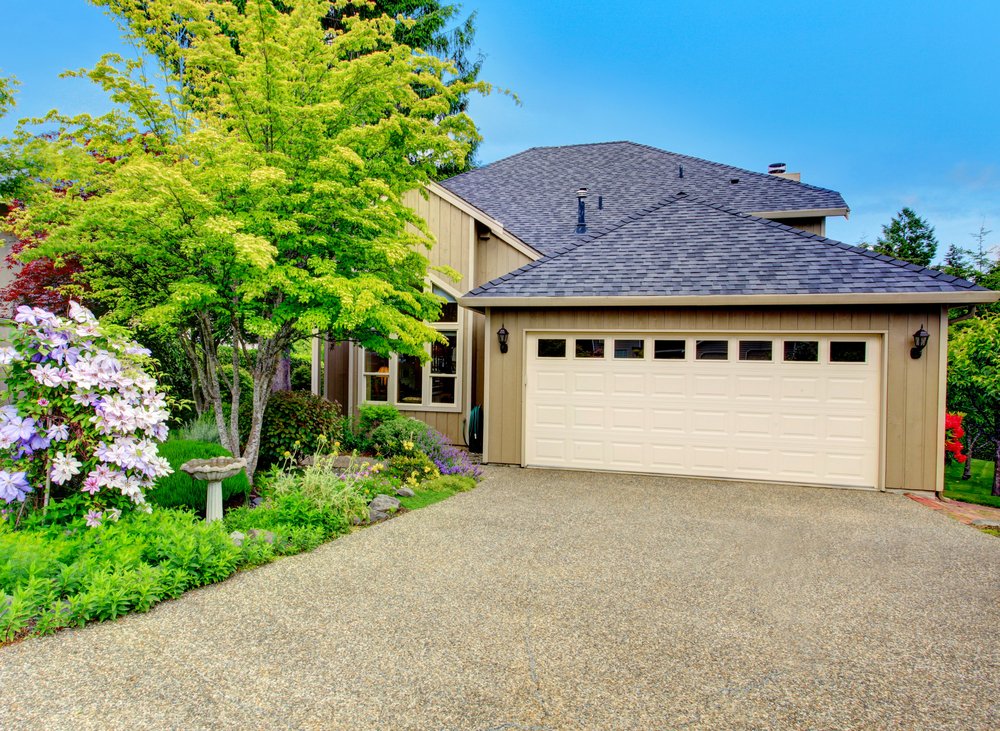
264	535
405	492
377	516
384	504
237	538
985	523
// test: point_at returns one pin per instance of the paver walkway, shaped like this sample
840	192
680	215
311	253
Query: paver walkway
962	512
557	600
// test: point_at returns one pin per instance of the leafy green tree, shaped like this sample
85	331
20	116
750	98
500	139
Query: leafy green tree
258	197
974	380
908	237
956	263
14	168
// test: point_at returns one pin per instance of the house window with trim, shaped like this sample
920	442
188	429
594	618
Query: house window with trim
404	381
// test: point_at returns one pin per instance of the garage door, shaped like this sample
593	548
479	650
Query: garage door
802	408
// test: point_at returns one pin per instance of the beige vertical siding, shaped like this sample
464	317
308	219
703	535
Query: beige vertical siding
495	257
914	416
452	228
809	225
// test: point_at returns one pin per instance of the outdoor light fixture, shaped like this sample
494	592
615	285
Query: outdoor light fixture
502	336
919	342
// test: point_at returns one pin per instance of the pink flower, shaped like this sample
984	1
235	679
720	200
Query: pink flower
94	518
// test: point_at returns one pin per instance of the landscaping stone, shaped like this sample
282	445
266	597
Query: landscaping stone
384	503
237	538
405	492
984	523
265	535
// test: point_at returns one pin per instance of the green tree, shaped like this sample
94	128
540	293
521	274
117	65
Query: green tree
956	263
258	197
908	237
14	168
974	380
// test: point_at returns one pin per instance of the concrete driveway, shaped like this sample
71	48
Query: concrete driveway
557	600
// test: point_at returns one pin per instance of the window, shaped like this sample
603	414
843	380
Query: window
630	349
756	350
589	348
405	381
848	352
803	351
551	348
376	375
712	350
668	349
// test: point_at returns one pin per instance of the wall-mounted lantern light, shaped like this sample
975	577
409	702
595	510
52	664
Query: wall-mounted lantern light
919	342
502	336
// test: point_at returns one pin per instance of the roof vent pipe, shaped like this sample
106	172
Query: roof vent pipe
680	171
581	211
600	202
776	168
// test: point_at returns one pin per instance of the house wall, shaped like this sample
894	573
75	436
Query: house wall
809	225
914	408
478	256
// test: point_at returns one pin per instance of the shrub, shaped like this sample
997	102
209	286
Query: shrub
401	436
297	422
180	490
412	468
200	429
84	416
356	434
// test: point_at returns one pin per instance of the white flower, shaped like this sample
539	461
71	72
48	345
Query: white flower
64	467
58	433
8	355
80	314
48	375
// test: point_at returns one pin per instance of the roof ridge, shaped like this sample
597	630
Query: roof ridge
585	239
706	161
902	263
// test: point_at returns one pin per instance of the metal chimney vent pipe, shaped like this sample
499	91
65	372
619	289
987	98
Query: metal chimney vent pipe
581	211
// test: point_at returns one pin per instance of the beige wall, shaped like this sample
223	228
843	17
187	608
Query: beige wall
453	230
914	408
809	225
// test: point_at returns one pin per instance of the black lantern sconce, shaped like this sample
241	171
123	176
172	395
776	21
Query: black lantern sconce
502	336
919	342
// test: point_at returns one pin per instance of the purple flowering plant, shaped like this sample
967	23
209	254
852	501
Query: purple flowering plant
83	416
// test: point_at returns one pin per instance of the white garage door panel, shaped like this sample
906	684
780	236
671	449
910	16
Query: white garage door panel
814	422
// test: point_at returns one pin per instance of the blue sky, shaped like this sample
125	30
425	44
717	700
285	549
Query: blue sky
891	102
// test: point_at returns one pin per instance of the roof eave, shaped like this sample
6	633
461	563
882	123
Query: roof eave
481	302
804	213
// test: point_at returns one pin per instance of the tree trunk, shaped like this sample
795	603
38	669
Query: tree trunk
283	376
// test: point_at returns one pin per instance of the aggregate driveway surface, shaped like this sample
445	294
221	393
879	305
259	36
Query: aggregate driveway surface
559	600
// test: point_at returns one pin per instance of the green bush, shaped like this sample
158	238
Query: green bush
199	429
179	490
411	468
356	434
391	437
295	421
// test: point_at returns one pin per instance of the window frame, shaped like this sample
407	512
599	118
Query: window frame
426	394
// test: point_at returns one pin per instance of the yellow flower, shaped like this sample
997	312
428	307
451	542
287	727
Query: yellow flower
377	468
297	444
288	455
336	445
320	438
408	446
427	469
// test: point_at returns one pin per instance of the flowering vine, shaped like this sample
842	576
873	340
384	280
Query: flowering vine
953	433
83	416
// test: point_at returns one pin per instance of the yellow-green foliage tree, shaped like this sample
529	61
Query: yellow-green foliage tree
254	195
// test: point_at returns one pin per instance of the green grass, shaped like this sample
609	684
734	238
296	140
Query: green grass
977	489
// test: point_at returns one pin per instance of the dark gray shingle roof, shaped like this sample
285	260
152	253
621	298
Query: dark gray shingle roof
683	246
533	193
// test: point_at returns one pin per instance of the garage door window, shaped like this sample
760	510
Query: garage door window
848	352
551	348
630	349
669	349
590	348
756	350
712	350
802	351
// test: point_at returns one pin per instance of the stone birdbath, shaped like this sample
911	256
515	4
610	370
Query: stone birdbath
214	471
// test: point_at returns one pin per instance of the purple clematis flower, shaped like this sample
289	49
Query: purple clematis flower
13	486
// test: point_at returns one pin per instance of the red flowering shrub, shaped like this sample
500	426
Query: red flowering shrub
953	433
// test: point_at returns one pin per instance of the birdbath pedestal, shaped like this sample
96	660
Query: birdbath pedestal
214	471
